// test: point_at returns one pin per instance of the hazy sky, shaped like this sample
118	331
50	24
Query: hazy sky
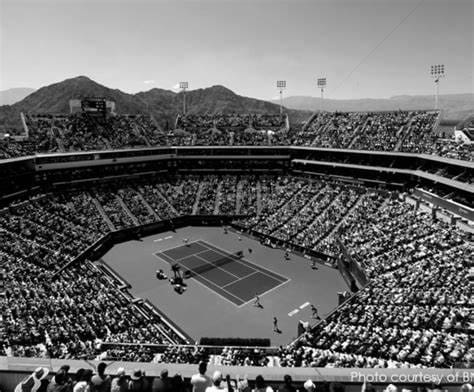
245	45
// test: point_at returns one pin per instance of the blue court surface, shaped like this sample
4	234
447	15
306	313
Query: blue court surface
229	276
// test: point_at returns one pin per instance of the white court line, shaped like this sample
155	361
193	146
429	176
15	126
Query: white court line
305	305
293	312
167	238
158	240
243	277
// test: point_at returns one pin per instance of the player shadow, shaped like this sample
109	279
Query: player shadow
277	330
260	306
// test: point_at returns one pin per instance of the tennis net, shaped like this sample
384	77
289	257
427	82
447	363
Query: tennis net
210	265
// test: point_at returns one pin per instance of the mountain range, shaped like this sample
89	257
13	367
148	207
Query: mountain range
13	95
162	105
453	106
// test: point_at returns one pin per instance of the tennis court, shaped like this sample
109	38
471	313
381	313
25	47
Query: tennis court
226	274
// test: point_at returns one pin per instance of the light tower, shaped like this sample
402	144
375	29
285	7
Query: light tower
281	85
437	72
322	86
183	86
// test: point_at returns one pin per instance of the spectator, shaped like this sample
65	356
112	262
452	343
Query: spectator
178	384
201	380
119	382
162	383
243	385
261	386
287	384
34	381
61	382
100	382
309	386
216	383
84	383
137	382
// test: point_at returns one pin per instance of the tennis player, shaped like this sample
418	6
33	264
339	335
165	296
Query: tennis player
257	301
275	325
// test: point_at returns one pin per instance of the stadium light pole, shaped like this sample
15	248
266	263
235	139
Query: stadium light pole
322	86
437	72
281	85
183	86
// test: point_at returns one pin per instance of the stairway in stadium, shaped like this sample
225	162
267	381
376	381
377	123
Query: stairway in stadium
259	198
218	197
150	210
198	197
238	197
127	210
359	130
343	217
167	202
405	133
102	213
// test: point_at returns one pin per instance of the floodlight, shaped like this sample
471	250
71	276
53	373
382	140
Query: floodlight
281	85
183	86
437	72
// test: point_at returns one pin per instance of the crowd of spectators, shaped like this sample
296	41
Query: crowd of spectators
300	192
230	129
10	148
336	201
230	122
69	315
420	135
227	196
110	203
336	130
382	131
304	213
133	200
416	311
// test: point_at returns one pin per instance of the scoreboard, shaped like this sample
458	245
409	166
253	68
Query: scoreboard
94	106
